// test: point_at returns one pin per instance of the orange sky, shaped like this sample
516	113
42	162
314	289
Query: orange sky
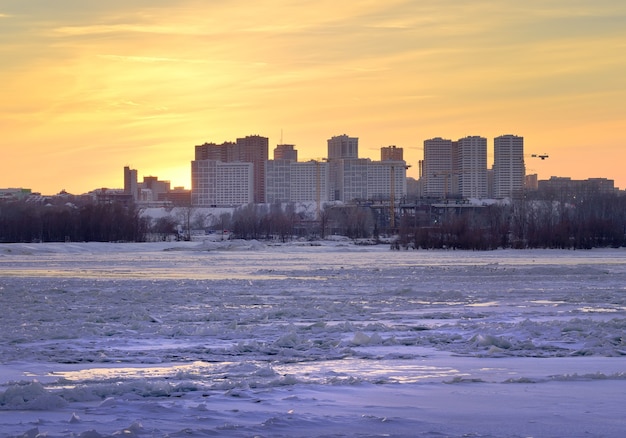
87	89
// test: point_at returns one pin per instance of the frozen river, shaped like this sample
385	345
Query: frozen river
243	339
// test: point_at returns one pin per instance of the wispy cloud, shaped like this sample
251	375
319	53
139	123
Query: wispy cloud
385	71
96	29
152	59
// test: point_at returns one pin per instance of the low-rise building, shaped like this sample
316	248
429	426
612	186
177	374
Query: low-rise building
565	186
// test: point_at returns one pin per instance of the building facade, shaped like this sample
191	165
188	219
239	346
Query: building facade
471	167
154	187
130	182
251	149
563	187
342	146
278	181
391	153
291	181
225	152
285	152
508	165
364	179
386	179
439	167
342	177
351	179
531	182
254	149
218	184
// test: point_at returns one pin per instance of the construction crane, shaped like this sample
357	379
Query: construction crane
446	176
542	156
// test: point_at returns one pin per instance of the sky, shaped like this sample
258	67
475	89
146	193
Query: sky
87	88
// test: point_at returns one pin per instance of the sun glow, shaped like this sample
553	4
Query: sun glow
92	89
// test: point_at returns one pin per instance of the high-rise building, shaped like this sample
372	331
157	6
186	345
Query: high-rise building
342	146
490	183
508	165
251	149
472	167
386	179
309	181
278	181
351	179
254	149
291	181
392	153
344	177
285	152
439	167
224	152
362	178
130	182
218	184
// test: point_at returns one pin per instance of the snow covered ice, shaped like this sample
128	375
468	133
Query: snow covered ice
246	339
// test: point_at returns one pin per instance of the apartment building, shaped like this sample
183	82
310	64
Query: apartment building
386	179
439	168
508	165
218	184
285	152
391	153
291	181
342	177
471	167
563	187
254	149
343	146
362	179
251	149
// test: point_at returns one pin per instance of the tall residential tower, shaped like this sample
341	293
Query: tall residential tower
342	146
251	149
472	166
439	167
508	165
391	153
254	149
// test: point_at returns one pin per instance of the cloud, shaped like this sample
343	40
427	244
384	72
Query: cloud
97	29
384	71
151	59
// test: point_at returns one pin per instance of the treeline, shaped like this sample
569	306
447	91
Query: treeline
533	221
283	222
577	222
108	222
260	221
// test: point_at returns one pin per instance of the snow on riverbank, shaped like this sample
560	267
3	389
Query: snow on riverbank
242	338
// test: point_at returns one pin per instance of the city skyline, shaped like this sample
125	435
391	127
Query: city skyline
443	168
91	88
